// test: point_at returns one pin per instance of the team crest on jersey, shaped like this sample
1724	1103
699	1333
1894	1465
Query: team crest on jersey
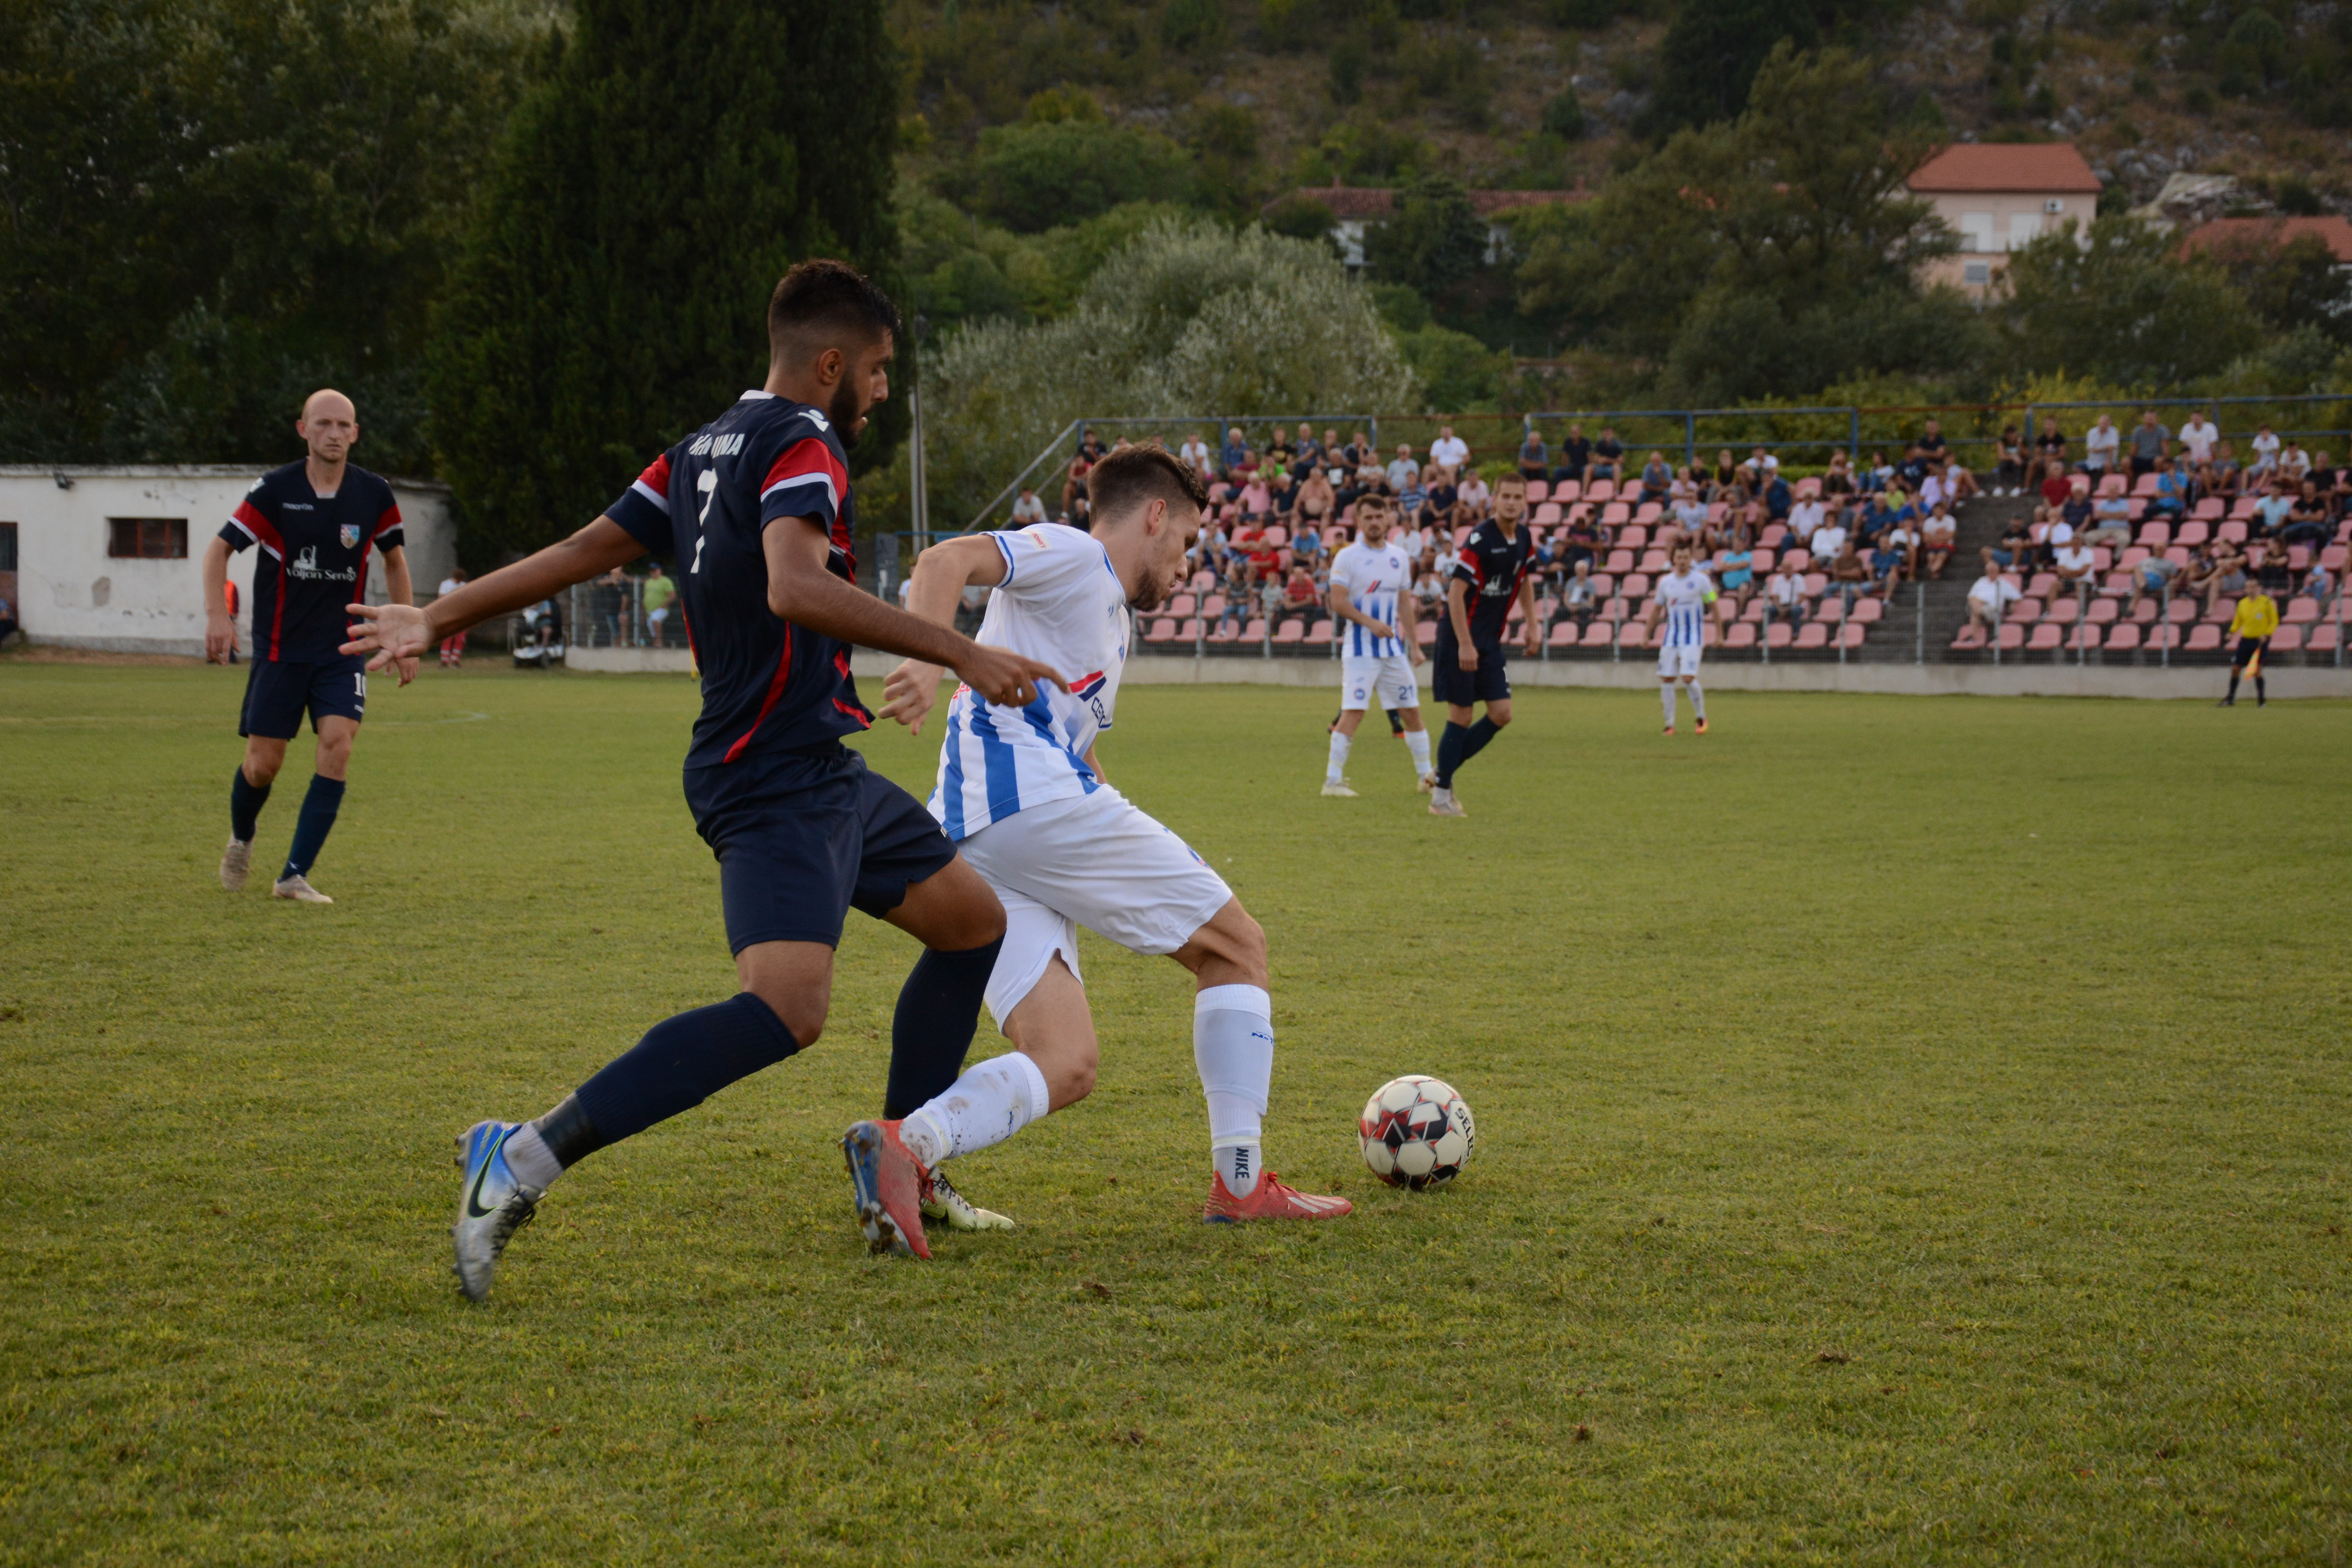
350	534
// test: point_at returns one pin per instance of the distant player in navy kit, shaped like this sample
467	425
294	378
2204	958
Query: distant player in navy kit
316	521
1489	575
755	508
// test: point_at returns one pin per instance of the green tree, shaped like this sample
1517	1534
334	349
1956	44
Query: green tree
2291	287
612	292
2254	53
1711	54
2121	303
1031	176
1458	373
1434	240
1563	115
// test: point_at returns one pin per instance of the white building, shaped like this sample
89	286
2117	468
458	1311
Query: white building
1998	197
112	558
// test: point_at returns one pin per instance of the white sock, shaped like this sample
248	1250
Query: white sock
1417	742
1339	744
1233	1047
1698	701
987	1105
530	1158
1666	696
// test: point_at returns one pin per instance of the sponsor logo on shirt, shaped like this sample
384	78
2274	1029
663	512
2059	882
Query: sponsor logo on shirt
305	565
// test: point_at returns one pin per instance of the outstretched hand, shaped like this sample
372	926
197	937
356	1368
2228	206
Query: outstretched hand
391	634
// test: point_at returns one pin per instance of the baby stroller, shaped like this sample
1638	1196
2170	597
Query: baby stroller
538	638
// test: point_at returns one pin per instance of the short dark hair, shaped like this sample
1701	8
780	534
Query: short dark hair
822	304
1132	476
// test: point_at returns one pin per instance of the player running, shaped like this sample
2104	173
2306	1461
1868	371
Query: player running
755	506
1372	596
1020	793
316	520
1683	597
1489	575
2255	619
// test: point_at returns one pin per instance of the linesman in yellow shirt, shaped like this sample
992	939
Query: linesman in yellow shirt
2257	618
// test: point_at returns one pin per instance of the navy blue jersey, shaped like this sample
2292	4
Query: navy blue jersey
316	548
767	685
1493	566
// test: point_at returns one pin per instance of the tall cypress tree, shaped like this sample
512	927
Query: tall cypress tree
676	158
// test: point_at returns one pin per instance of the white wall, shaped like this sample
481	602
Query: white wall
70	592
1991	224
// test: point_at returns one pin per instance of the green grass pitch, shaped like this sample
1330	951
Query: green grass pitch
1910	1130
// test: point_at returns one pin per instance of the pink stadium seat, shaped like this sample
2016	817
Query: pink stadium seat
1616	608
1633	535
1181	605
1772	535
1654	562
2299	557
2013	636
1649	511
1569	490
2086	636
1717	511
2155	535
2025	612
2332	557
1188	631
1548	514
1213	606
1813	634
2286	639
2222	613
1203	580
2104	612
1816	583
2178	555
1778	635
1709	636
1603	584
2244	507
2212	509
2133	557
1597	635
1162	630
2039	533
1601	490
1741	635
1970	637
1319	634
1459	535
1762	565
1277	536
1755	610
2204	639
1425	633
1616	514
1637	586
1537	492
2043	585
2144	485
2163	637
1831	611
2183	610
2235	533
1224	632
2116	584
1852	635
2102	558
1797	561
2114	485
2045	639
1809	488
2300	612
2065	612
1869	612
1630	635
1620	562
1563	635
2193	533
2322	638
2123	638
2146	612
1290	631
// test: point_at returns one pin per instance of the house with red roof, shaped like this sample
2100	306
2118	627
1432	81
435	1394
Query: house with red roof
1997	196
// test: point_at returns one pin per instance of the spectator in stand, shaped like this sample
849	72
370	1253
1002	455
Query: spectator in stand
1784	595
2009	476
1880	474
1258	502
1575	458
8	622
1403	472
2222	476
1281	493
1777	497
1761	465
1413	498
1805	517
2153	575
2015	550
1886	568
2172	487
1195	454
1584	541
1235	452
1735	573
1535	459
1027	510
2307	521
1074	481
1849	573
1902	538
2108	523
1279	454
2272	511
2072	562
1299	594
1827	538
1449	450
1991	595
1656	477
2055	485
1577	595
1608	457
2273	569
1428	589
2293	462
1726	476
2319	584
2266	449
1310	452
1443	493
1473	496
2151	443
1316	505
2050	446
1937	535
1237	597
2198	439
1935	491
1930	450
2226	573
1689	521
1838	479
2102	450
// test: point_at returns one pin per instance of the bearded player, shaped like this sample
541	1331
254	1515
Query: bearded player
1020	793
1372	599
1684	597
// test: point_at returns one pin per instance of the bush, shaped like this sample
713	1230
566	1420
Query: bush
1564	116
1031	176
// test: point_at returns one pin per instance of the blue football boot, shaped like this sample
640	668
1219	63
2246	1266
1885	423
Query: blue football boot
493	1204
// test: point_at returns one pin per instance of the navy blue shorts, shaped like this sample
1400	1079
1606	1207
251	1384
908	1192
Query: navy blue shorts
1460	688
2247	648
276	695
803	836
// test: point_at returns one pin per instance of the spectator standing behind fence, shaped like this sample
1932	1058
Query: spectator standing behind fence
656	595
2102	448
1449	450
1195	454
1534	457
2150	443
453	649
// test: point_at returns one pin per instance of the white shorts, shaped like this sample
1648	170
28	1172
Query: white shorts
1387	677
1675	661
1092	860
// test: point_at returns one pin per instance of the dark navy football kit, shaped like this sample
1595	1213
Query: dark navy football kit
1492	567
314	562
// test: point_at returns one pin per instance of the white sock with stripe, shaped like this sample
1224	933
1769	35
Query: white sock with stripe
988	1104
1417	742
1339	763
1666	696
1233	1047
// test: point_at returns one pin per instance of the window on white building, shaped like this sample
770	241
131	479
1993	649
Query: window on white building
2023	229
1976	274
1975	231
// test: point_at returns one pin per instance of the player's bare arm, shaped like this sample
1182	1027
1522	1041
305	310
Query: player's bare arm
941	575
1344	606
801	590
397	631
220	626
1409	629
1530	636
399	589
1457	594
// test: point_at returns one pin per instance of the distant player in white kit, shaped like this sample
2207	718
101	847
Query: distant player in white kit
1021	794
1684	595
1372	596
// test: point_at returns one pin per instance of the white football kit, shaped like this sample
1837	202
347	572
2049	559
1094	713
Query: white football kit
1061	847
1685	596
1371	666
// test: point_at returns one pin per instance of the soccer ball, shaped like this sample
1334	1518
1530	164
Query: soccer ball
1416	1132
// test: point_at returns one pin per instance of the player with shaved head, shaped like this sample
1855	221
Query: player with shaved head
316	522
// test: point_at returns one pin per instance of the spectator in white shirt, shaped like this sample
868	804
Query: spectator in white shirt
1784	595
2266	452
1934	491
1028	510
1196	456
1473	493
1804	518
1989	594
2199	436
1449	450
2294	463
2101	446
1403	473
2072	563
1827	541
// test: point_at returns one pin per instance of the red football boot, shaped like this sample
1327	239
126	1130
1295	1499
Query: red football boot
888	1181
1270	1200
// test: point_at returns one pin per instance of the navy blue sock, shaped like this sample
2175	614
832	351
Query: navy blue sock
246	800
682	1062
1475	739
311	829
1449	752
938	1008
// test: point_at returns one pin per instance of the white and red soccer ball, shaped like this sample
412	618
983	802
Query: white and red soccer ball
1416	1132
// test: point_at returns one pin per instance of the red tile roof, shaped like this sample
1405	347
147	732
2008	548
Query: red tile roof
2273	231
2029	168
1359	201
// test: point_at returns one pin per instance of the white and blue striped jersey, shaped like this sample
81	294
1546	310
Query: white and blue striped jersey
1060	602
1685	596
1375	578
